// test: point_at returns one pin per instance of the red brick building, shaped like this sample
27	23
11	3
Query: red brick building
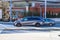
52	7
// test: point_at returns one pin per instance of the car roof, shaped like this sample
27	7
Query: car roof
33	17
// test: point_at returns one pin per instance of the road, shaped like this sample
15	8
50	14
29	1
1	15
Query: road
6	28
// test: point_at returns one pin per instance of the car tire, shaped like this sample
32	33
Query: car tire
18	25
37	24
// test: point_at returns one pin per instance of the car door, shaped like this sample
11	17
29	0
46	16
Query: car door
46	21
27	21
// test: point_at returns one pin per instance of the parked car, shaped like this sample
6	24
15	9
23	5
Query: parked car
29	21
48	22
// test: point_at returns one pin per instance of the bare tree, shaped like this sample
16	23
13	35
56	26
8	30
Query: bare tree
5	5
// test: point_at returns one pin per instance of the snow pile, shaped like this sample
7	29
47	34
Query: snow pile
56	19
2	26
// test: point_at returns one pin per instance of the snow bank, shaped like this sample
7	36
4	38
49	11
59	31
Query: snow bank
31	36
26	36
56	19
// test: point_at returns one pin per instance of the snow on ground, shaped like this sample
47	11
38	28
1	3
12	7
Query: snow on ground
25	29
56	19
32	36
28	27
25	36
2	26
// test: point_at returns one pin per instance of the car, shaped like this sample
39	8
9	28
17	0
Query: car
47	21
28	21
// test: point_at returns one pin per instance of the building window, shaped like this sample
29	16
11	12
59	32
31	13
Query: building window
17	14
19	4
53	15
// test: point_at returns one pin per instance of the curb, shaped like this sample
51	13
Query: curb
36	28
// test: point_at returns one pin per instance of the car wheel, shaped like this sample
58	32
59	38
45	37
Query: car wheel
50	24
37	24
18	25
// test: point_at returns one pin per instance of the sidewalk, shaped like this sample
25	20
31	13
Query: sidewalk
31	36
6	22
26	36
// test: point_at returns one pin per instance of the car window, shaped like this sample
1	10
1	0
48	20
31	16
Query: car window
24	19
35	19
27	19
47	19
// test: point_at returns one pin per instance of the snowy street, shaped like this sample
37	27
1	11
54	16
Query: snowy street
10	28
29	32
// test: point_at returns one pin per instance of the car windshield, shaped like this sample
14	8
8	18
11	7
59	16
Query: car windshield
29	18
47	20
24	19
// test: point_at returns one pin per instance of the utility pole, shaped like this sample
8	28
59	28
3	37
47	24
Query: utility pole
40	11
33	5
10	8
27	7
45	7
